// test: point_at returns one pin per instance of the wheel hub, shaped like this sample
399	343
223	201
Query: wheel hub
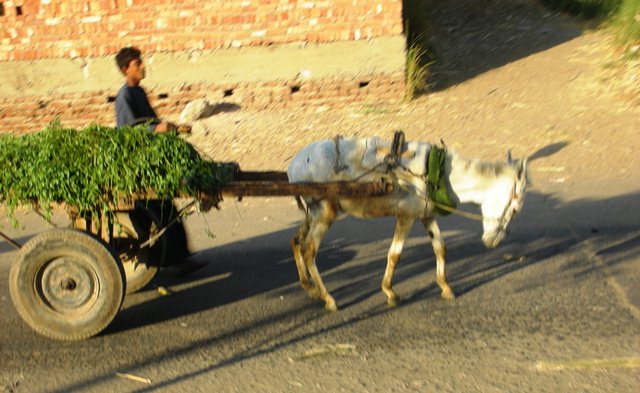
67	285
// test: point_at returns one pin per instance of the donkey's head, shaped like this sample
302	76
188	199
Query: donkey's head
505	201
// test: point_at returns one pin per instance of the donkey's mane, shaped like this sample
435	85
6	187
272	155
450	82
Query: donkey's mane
482	168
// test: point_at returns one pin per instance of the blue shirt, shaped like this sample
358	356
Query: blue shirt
132	107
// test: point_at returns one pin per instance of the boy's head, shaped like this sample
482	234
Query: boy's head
129	61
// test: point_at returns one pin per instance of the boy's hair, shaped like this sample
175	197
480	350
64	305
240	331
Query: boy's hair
125	55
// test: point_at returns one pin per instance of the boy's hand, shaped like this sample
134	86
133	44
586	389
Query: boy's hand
183	129
164	127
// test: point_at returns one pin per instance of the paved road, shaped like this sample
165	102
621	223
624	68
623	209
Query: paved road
242	324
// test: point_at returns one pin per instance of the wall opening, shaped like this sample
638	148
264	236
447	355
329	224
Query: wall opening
19	10
363	84
227	93
1	9
162	96
295	89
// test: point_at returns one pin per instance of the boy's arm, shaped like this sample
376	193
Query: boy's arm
168	126
124	114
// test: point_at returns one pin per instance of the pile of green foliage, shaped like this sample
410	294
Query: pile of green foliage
93	168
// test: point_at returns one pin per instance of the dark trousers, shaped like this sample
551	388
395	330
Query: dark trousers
163	212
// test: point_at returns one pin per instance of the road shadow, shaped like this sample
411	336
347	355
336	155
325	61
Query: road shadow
547	228
469	37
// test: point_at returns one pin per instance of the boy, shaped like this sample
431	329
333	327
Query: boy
132	104
132	107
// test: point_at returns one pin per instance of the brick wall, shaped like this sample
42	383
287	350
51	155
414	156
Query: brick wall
35	29
19	115
40	30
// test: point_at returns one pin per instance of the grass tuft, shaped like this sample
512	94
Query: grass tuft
417	69
419	56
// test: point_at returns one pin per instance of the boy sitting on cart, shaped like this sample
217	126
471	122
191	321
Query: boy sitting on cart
132	107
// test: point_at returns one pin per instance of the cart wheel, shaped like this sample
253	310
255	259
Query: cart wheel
66	284
140	264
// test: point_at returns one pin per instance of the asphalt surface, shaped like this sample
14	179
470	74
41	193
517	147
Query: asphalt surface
554	308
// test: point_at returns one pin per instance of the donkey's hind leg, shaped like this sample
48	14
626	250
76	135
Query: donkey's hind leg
441	251
322	216
296	245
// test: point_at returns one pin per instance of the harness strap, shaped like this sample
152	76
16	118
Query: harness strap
392	160
338	166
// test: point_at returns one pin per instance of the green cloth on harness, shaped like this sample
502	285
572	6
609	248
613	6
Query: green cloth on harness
436	181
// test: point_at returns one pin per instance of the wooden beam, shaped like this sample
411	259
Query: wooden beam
276	184
260	176
341	188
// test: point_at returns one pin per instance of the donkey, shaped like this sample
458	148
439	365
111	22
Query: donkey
498	187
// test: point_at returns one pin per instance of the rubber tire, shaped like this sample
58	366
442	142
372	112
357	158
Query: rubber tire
94	280
141	267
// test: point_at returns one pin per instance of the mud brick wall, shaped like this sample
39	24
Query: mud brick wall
19	115
34	29
61	33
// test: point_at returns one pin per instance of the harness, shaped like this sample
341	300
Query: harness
436	182
434	178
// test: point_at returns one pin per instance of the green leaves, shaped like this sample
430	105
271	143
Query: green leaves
93	168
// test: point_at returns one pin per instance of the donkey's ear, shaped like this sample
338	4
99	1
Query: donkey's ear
509	159
522	169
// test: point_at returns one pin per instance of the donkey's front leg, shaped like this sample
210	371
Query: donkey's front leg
403	226
441	251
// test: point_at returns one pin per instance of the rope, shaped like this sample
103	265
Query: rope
10	240
472	216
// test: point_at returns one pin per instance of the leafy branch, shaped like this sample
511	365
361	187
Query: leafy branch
93	168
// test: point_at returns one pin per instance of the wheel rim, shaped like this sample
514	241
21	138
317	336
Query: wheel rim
67	285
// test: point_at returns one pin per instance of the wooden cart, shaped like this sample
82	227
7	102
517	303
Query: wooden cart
69	284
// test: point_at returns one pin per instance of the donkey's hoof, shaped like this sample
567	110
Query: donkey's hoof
393	301
448	295
331	306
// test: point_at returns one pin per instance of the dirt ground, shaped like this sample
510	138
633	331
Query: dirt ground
509	75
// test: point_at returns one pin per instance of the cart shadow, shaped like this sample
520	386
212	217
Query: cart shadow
234	272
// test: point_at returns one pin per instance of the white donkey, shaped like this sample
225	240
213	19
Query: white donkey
498	187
